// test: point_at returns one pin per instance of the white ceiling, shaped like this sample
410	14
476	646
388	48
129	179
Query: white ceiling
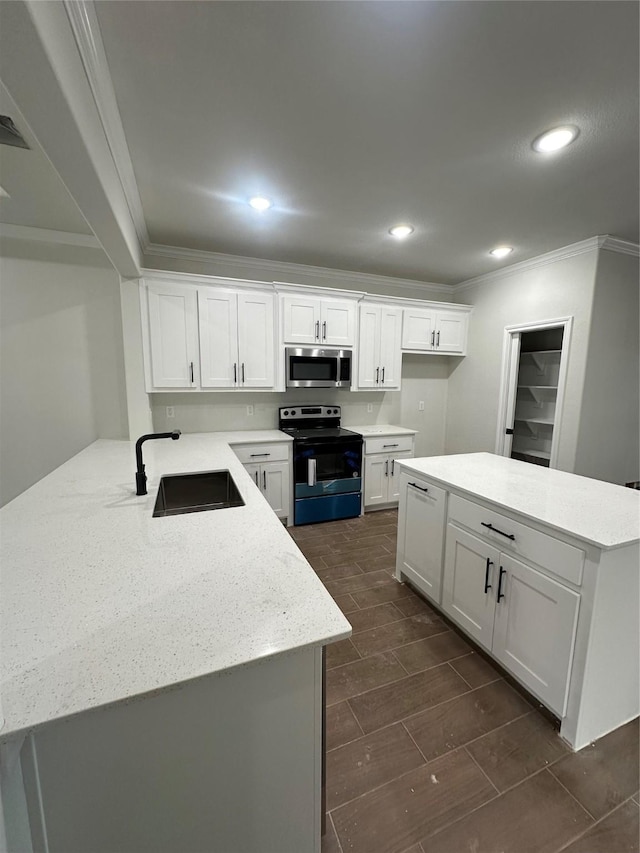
354	116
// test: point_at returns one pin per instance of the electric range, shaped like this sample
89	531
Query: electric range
327	463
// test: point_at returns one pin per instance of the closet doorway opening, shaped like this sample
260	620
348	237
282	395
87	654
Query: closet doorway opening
534	369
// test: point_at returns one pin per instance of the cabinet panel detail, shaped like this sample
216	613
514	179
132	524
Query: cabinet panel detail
534	631
470	583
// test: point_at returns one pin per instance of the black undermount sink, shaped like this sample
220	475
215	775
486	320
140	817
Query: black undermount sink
179	493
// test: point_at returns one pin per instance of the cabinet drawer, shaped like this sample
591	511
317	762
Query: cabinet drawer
558	557
248	453
388	444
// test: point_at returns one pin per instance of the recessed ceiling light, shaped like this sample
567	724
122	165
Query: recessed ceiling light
259	202
553	140
501	251
401	231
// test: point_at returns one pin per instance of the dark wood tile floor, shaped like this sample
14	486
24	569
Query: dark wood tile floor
429	749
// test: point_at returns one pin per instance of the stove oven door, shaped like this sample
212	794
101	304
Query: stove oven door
327	479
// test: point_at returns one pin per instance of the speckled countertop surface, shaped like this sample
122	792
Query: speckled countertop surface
101	602
600	513
380	430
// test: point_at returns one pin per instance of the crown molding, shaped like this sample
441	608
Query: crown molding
590	245
278	269
622	247
46	235
86	31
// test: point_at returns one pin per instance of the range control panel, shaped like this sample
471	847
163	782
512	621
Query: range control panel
296	412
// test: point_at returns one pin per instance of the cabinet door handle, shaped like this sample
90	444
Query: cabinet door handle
324	331
416	486
382	376
389	445
377	375
438	340
500	592
191	371
264	480
317	330
495	530
487	585
259	454
433	338
386	468
235	373
243	372
256	476
393	466
311	472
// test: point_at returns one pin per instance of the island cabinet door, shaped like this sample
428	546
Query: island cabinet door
424	511
535	627
470	583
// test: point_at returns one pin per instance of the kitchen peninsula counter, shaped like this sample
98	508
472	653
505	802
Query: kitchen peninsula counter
105	609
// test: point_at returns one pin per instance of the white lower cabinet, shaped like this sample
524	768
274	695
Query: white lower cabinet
524	618
268	466
381	472
272	478
420	535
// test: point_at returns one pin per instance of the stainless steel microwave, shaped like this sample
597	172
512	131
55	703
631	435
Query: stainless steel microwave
308	367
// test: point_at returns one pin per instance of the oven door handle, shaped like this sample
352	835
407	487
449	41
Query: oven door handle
311	472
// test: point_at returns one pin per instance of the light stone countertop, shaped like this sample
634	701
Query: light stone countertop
101	602
380	430
602	514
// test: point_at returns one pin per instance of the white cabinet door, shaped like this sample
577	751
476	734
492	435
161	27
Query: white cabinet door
338	322
218	323
369	347
422	536
390	352
418	329
256	346
301	319
275	485
255	474
451	331
173	336
375	479
393	491
470	583
535	626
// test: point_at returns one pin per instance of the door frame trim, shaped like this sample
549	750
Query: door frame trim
511	333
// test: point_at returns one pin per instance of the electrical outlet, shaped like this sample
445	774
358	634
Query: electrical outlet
421	406
249	410
171	412
369	407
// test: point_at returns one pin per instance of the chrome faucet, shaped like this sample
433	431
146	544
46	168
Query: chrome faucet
141	477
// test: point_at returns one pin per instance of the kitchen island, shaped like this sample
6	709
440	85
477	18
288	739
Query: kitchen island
161	676
541	568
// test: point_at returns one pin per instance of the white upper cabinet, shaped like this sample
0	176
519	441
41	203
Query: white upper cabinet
436	331
379	354
312	320
205	337
236	338
173	337
218	322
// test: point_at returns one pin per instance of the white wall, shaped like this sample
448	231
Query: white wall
423	378
557	289
609	433
61	358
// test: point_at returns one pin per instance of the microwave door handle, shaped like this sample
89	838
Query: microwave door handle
311	472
